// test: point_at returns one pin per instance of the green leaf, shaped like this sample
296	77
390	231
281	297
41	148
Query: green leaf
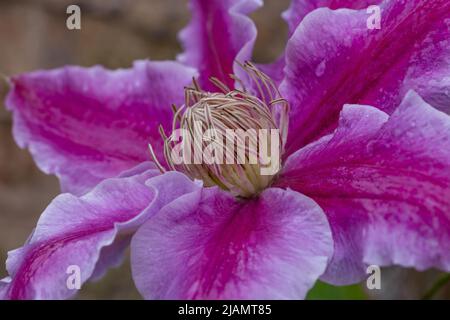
323	291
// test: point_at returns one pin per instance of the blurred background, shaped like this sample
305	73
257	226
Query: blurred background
33	35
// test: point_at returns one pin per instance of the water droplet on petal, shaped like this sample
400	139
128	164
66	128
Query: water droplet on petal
320	70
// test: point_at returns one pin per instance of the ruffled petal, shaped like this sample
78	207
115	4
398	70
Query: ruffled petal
384	184
208	245
88	124
4	287
87	234
333	58
298	9
219	34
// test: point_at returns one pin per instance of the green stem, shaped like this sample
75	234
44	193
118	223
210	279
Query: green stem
438	285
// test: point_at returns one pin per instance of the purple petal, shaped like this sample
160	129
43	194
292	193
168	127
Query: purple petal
4	287
300	8
384	185
297	10
208	245
333	59
87	124
89	232
219	34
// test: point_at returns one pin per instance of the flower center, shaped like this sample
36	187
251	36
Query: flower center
232	139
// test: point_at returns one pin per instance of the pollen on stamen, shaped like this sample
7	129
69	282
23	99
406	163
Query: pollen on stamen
233	138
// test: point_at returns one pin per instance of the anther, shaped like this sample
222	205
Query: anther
224	138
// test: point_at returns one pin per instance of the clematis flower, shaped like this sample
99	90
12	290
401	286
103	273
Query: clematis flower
365	176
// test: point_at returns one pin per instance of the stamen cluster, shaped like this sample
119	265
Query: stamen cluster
222	138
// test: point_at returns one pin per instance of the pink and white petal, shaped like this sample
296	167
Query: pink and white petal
298	9
88	124
429	74
219	34
3	287
333	58
81	232
384	184
167	188
209	245
111	256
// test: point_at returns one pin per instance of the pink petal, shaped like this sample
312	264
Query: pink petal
333	59
219	34
208	245
90	232
384	185
3	287
298	9
87	124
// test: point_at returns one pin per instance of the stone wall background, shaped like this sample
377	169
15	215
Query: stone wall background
33	35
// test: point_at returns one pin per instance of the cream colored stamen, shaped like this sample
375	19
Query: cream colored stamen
225	116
